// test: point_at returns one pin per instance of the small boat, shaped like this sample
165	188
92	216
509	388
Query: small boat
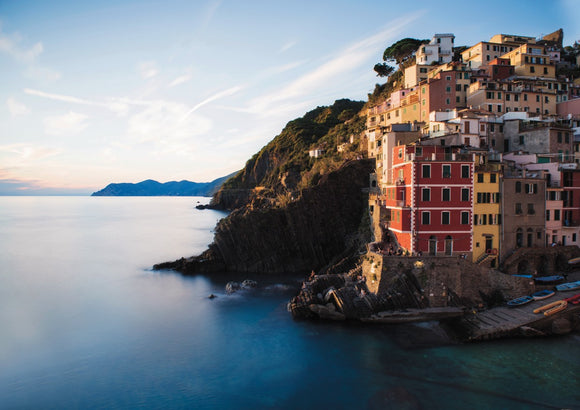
568	286
543	294
575	300
574	261
549	280
552	308
520	301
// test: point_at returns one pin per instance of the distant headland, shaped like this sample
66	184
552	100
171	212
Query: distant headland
150	187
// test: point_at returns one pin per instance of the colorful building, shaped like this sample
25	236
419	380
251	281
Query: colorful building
431	201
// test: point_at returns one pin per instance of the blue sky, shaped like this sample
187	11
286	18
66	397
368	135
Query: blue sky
122	91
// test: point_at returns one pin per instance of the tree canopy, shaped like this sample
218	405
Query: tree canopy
402	50
383	70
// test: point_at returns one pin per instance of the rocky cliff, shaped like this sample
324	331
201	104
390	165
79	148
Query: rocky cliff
284	165
317	226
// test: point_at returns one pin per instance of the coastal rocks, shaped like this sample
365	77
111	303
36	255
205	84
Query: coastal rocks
232	287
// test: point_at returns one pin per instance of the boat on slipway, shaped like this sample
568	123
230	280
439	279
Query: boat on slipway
568	286
552	308
549	280
543	294
574	300
520	301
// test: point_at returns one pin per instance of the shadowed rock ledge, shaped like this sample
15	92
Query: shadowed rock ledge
320	227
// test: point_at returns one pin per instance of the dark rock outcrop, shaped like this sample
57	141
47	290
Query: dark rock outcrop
321	225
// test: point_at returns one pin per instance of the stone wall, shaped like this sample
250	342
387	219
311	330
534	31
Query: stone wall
444	281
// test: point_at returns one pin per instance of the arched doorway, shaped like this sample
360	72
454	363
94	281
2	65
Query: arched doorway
448	245
432	245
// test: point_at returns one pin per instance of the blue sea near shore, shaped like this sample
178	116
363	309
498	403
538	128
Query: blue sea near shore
85	323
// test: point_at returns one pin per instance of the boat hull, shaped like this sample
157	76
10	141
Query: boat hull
543	294
552	308
568	286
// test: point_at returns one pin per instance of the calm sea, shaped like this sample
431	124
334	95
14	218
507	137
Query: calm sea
85	323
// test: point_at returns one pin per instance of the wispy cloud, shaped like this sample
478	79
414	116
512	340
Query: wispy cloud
27	152
147	69
180	80
225	93
12	45
286	47
71	123
116	105
16	108
331	71
43	74
164	121
210	11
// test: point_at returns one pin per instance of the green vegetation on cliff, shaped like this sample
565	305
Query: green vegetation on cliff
284	165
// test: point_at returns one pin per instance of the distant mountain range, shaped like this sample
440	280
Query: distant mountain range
154	188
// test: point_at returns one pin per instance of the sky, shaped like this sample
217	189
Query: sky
95	92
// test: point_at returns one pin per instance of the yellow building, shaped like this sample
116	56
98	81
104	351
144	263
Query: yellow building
484	52
487	209
531	60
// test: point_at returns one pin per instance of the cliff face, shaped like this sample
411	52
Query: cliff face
319	227
284	166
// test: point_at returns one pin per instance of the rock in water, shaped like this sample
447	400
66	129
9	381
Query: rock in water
248	283
232	287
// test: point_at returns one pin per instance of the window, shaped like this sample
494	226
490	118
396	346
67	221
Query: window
518	208
556	214
465	194
522	139
425	218
400	153
537	98
425	194
532	69
518	187
559	136
446	171
426	171
573	237
446	195
445	218
531	210
493	178
547	214
475	219
480	178
464	218
418	151
465	171
525	97
507	97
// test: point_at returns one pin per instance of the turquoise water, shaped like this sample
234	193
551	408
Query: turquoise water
85	324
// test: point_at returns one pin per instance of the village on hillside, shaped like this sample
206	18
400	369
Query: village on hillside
477	150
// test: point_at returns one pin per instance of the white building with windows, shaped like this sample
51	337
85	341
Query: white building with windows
439	50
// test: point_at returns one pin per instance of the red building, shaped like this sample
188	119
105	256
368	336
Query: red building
430	202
